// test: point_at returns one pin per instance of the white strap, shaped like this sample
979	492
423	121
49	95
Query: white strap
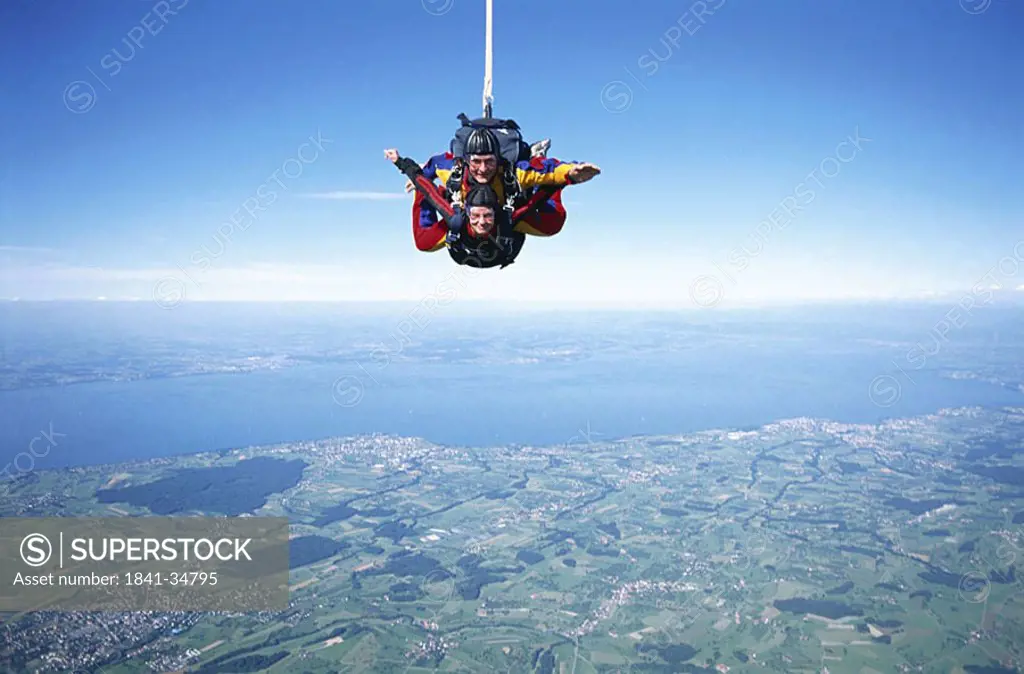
488	58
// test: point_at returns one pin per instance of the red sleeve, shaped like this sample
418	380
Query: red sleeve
427	230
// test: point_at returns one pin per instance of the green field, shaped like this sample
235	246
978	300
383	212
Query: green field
797	547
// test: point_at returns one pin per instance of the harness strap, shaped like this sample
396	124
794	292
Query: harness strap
513	194
455	184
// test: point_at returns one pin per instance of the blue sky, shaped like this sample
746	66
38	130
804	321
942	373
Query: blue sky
136	138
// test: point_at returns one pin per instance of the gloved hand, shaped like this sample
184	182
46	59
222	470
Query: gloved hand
457	223
408	167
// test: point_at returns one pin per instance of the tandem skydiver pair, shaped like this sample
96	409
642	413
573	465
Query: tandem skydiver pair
494	190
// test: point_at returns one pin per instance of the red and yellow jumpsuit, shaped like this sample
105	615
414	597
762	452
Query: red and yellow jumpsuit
429	230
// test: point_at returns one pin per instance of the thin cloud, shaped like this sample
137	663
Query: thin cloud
345	195
26	249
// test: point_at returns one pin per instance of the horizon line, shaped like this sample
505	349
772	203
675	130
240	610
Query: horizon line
935	298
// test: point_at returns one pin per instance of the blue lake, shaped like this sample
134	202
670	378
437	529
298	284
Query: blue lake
731	386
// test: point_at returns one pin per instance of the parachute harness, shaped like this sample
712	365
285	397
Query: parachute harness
456	180
513	190
455	183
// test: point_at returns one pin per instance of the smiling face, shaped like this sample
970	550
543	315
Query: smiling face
481	220
483	167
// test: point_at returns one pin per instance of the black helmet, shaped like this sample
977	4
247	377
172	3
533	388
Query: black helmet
482	195
482	141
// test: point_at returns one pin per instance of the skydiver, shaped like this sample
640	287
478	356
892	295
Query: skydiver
482	158
538	149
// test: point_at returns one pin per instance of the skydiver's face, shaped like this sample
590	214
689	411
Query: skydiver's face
483	167
481	221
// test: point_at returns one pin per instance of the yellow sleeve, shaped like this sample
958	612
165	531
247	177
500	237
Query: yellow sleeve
552	175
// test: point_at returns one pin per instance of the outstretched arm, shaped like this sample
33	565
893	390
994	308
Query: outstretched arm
428	229
429	169
548	172
421	183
